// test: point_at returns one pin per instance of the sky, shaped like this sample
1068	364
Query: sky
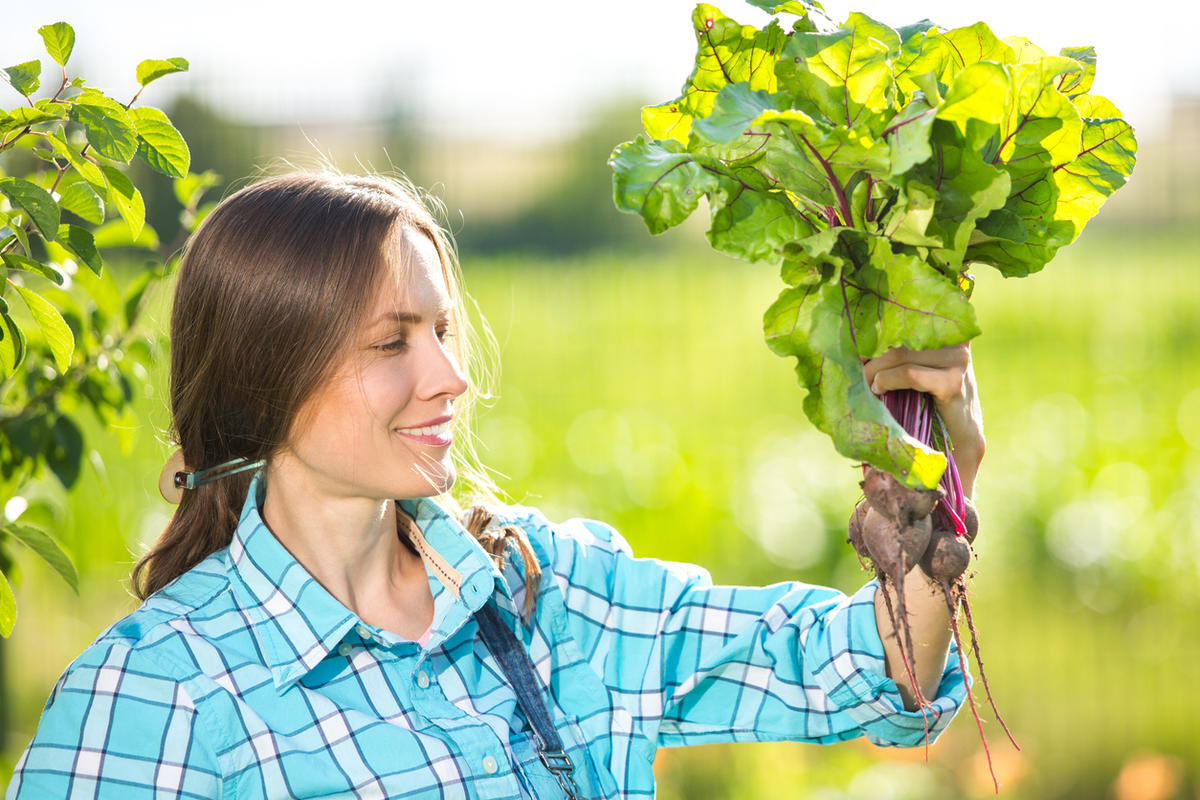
525	70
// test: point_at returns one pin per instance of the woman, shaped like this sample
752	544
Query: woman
316	624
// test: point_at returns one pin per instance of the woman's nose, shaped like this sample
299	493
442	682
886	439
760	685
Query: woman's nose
441	373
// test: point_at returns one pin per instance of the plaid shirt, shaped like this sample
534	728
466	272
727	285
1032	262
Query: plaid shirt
244	678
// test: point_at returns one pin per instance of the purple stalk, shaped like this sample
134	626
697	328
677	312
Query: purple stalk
916	414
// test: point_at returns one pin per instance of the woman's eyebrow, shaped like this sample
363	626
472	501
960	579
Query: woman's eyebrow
407	316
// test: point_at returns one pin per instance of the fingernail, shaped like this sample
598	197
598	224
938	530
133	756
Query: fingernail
875	387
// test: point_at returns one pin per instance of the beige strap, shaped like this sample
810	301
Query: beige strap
448	575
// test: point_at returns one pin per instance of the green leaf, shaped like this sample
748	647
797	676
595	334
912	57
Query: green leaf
24	116
727	52
128	200
101	288
1103	165
1039	116
159	144
1024	235
14	261
943	198
87	169
137	289
15	230
798	7
908	136
110	130
115	233
34	201
1073	85
841	404
190	188
82	245
12	343
734	111
60	41
802	153
8	608
898	300
971	45
66	453
81	200
847	74
55	329
25	77
660	181
752	221
978	93
48	550
922	53
152	69
787	324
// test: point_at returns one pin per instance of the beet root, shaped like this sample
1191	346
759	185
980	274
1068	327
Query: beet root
855	529
971	520
946	557
896	501
894	549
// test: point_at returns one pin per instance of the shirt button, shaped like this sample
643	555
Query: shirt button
489	765
362	632
345	648
423	680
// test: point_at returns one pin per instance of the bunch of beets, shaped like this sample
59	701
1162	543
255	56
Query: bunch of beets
896	527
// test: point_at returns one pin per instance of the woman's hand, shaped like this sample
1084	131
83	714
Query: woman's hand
948	375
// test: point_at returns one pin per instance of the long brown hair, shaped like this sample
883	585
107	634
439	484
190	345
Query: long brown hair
270	289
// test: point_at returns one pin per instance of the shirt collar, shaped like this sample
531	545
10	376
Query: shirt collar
296	622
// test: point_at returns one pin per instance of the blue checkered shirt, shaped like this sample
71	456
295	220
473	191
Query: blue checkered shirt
244	678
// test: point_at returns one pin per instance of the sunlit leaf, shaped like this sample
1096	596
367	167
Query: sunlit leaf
12	342
191	187
34	201
81	200
54	328
14	261
110	130
82	245
24	116
47	549
25	77
8	607
847	74
659	181
152	69
126	197
159	144
727	52
60	41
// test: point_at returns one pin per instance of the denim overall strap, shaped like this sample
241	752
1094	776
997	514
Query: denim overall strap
514	660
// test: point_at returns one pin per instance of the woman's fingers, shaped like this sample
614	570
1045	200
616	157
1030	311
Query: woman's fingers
943	383
955	357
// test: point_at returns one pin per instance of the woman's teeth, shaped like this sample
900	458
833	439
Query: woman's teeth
431	430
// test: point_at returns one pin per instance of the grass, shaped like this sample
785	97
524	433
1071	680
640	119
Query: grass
638	390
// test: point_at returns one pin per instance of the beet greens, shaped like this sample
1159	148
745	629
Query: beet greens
872	165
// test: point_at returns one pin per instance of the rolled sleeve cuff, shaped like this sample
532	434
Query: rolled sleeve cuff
850	667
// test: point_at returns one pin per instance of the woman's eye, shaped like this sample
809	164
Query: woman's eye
399	345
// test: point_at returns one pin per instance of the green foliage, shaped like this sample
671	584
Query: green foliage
61	177
872	165
152	69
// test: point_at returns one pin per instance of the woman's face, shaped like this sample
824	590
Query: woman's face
382	427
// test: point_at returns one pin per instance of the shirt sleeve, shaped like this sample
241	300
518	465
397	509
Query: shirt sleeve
114	726
696	663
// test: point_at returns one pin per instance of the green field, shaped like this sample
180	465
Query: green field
637	389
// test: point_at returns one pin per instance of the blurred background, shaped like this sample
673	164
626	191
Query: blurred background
636	388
